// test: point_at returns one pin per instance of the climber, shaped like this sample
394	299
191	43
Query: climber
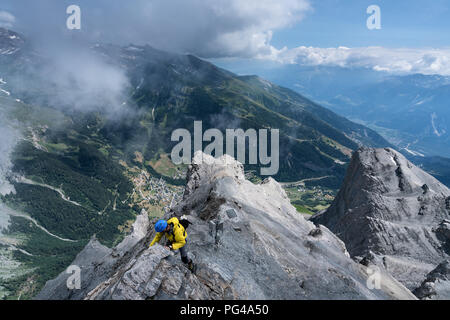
176	234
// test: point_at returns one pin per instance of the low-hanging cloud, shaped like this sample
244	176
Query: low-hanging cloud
390	60
76	77
72	77
82	80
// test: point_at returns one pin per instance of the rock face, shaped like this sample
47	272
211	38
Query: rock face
393	214
10	42
437	284
248	243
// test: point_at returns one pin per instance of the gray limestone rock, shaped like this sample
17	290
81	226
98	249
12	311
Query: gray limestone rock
247	241
392	213
437	284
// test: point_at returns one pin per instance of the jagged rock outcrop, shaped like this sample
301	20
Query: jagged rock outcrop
437	284
393	214
247	241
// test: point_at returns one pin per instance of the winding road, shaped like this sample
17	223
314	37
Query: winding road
296	183
17	214
61	193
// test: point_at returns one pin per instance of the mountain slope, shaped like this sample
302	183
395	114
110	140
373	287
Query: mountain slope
392	213
438	167
314	141
248	243
410	111
10	43
414	108
83	162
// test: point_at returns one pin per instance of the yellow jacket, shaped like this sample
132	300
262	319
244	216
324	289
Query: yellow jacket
177	237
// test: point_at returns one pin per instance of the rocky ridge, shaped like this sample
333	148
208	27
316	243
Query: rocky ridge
247	241
393	214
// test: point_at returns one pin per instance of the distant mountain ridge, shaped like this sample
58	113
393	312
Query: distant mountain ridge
10	42
314	141
414	108
410	111
175	84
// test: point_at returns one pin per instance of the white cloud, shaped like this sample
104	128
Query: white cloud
207	28
392	60
212	28
258	19
83	81
6	19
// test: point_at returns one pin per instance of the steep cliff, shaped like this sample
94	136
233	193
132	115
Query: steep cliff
248	243
393	214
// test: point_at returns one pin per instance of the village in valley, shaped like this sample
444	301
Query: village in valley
155	194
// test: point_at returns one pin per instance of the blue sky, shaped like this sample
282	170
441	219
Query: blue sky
405	23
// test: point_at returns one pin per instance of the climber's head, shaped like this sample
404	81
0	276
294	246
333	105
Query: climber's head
161	226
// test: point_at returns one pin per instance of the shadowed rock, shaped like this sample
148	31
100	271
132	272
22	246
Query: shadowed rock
391	213
437	284
247	241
